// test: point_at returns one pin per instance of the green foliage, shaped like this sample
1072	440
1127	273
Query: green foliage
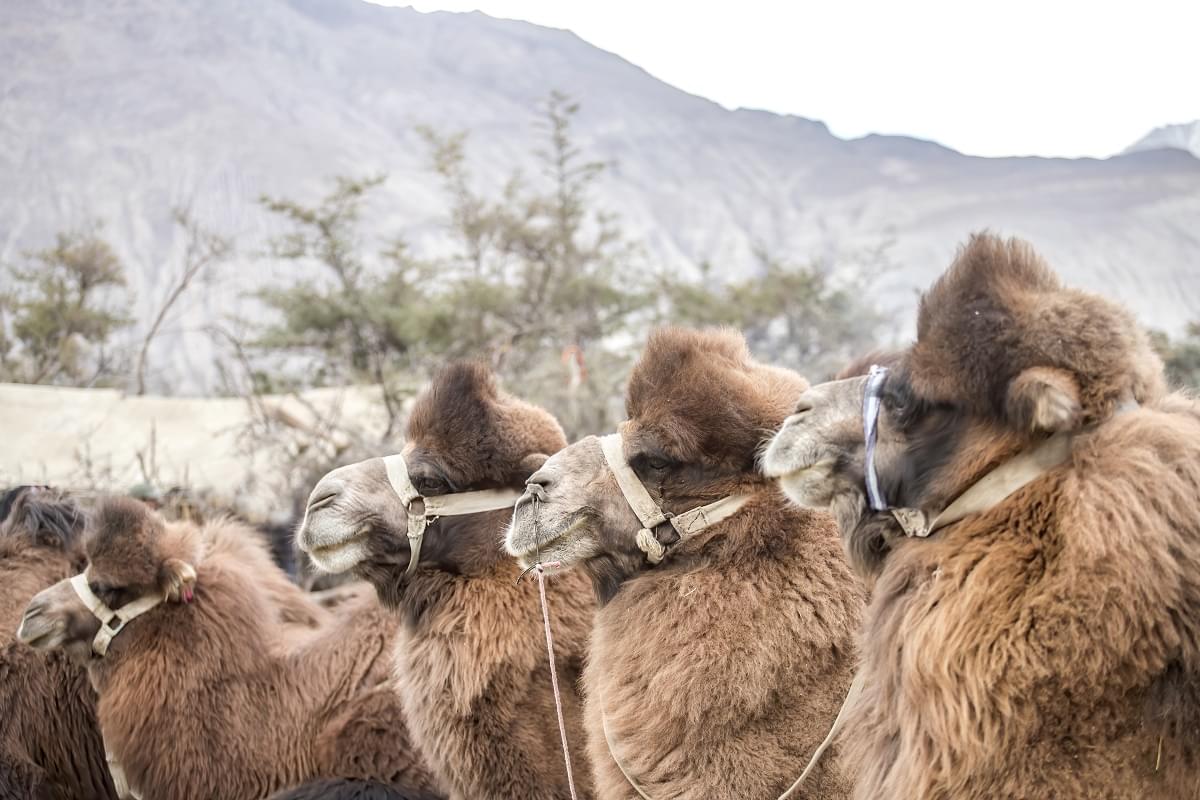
61	312
351	321
539	283
1180	357
534	275
801	316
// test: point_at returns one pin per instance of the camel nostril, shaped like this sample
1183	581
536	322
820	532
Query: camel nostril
322	499
802	406
35	609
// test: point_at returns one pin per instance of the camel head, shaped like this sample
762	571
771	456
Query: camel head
41	541
40	517
1005	357
699	408
132	558
464	435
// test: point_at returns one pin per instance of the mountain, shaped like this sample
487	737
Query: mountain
122	109
1185	136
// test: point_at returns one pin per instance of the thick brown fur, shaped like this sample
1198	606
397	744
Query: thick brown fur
721	669
470	657
193	699
1050	646
341	789
999	310
50	744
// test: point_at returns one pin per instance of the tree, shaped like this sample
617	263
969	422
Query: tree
538	279
544	281
810	317
541	283
350	323
1181	357
202	251
62	312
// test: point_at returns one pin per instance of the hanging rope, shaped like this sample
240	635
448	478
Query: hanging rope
562	725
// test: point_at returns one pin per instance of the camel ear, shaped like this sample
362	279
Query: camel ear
177	579
532	463
1043	399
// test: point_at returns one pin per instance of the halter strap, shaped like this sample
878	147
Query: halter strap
871	404
651	515
106	615
423	510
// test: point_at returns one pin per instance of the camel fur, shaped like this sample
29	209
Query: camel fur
50	745
194	701
470	658
718	671
1048	646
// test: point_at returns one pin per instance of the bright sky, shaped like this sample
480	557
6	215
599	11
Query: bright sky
1006	77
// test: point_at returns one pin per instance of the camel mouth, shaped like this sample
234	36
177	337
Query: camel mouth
40	632
528	542
341	555
809	485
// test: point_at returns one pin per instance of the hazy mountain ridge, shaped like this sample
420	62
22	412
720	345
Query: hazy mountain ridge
124	109
1183	136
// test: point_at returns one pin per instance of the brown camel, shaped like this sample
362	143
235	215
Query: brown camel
1034	539
718	671
470	656
193	700
50	745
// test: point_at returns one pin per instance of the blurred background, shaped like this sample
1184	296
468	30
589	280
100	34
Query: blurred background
237	236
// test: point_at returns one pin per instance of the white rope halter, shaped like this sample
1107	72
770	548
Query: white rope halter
422	511
106	615
687	524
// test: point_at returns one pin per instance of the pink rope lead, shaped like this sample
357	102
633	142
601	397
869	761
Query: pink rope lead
562	725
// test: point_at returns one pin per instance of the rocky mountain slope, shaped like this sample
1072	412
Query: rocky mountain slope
121	109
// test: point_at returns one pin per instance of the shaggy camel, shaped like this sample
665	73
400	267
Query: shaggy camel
192	702
719	670
470	659
50	744
1030	518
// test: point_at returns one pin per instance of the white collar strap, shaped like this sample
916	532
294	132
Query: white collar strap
649	513
106	615
422	510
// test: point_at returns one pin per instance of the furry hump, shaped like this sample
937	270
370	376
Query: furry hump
999	310
707	398
464	413
123	541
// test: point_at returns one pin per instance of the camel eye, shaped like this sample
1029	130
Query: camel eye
427	484
657	463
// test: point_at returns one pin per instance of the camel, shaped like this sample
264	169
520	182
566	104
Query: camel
50	744
1029	519
192	699
470	659
718	670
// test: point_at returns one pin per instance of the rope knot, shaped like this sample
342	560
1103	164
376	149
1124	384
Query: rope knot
650	545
